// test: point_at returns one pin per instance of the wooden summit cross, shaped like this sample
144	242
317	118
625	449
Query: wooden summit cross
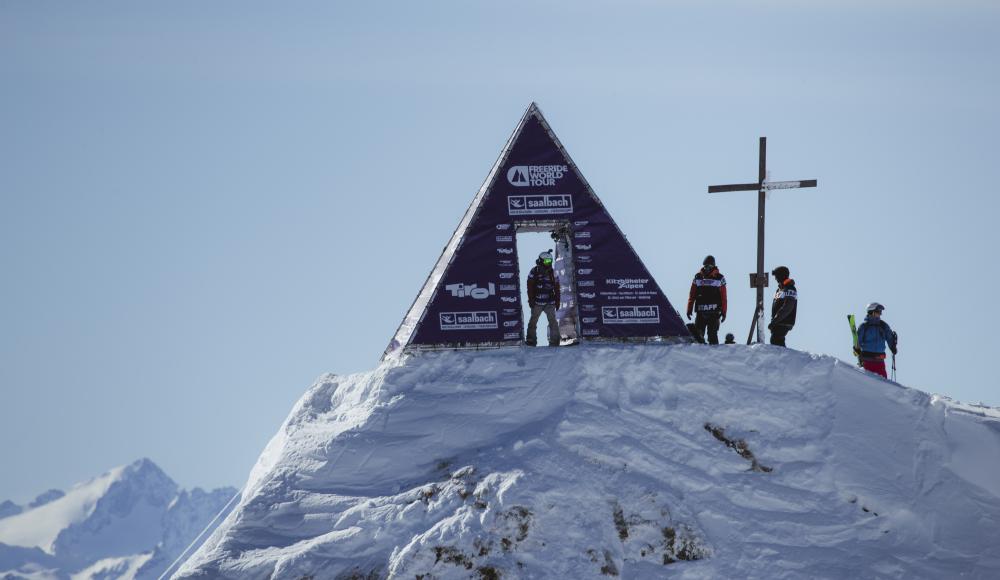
759	279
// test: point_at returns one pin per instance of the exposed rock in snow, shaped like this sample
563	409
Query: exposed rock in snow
46	497
126	523
631	461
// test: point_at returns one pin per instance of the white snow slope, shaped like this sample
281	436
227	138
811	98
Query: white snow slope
599	461
131	522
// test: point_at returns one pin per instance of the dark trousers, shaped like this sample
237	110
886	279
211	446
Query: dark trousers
778	332
707	321
550	313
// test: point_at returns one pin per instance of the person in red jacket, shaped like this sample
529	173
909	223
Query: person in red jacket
708	299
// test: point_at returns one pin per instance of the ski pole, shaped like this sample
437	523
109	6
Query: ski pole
893	367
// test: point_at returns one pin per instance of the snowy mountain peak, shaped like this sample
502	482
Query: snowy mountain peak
121	520
9	508
634	461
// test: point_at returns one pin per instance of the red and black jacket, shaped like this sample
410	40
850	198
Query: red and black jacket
708	292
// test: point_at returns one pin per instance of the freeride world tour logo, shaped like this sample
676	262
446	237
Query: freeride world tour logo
468	320
535	175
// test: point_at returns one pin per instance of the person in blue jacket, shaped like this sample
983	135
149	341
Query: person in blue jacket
873	336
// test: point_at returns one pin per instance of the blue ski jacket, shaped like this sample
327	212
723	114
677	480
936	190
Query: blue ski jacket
873	334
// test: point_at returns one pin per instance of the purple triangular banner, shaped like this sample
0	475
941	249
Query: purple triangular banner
472	297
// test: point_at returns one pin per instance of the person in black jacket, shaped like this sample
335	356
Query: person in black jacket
783	308
708	298
543	298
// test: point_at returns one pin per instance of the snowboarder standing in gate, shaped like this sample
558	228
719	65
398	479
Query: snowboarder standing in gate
708	298
786	301
543	296
873	335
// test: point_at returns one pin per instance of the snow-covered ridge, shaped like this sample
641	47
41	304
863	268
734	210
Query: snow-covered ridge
126	523
632	461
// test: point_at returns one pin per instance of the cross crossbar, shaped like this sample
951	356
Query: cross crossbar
735	187
767	186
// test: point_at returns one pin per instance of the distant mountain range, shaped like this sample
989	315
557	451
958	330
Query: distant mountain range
130	522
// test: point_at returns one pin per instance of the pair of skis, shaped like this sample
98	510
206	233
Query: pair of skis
857	349
854	333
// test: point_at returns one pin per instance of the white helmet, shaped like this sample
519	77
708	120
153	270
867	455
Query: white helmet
874	306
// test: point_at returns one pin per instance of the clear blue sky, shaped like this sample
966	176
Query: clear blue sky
206	205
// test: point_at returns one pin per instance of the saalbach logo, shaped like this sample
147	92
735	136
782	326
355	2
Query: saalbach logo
539	204
630	314
468	320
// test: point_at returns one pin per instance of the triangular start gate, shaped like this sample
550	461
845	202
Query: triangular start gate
472	297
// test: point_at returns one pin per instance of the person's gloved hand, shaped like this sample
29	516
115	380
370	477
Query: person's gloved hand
723	318
894	350
689	315
857	351
770	325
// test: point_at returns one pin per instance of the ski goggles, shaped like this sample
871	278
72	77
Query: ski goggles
547	261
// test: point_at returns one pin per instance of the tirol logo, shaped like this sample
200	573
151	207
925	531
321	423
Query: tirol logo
471	290
505	250
539	204
630	314
468	320
590	295
505	239
509	298
505	263
535	175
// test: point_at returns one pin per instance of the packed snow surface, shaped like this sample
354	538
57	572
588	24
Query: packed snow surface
641	461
